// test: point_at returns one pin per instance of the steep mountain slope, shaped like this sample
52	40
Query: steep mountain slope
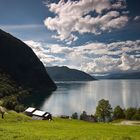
67	74
20	62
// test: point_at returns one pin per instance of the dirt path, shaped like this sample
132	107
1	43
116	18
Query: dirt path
130	123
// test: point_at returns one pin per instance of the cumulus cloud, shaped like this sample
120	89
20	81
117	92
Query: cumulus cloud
45	55
75	16
121	56
129	63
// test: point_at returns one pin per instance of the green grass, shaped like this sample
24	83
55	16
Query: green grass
20	127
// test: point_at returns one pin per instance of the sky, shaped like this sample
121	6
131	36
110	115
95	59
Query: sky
95	36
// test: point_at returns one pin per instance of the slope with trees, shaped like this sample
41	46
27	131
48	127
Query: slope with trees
20	62
66	74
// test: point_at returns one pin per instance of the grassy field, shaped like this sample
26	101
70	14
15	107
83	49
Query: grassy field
20	127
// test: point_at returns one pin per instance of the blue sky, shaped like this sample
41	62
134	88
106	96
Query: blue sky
65	32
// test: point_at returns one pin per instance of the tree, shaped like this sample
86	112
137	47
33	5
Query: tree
83	116
118	113
129	113
136	116
74	115
103	110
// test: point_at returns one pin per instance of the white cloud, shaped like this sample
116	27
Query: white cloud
129	63
73	16
45	55
93	57
137	18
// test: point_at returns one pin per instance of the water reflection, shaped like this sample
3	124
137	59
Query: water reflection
73	97
36	99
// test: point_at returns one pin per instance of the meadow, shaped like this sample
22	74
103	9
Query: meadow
17	126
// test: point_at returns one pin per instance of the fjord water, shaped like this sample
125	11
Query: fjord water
73	97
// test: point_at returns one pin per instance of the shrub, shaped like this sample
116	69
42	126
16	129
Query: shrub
19	108
10	102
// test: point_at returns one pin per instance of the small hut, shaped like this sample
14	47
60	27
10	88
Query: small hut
38	114
41	115
29	111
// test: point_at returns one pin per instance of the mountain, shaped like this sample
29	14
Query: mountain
132	75
66	74
22	65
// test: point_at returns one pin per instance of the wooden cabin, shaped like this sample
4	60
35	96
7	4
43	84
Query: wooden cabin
29	111
38	114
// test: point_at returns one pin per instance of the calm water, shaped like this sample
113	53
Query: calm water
73	97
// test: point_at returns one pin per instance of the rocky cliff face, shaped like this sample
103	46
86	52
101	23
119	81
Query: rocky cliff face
20	62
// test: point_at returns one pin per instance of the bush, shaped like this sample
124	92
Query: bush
129	113
74	115
10	102
19	108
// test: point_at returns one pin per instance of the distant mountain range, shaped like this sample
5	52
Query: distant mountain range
66	74
133	75
23	66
